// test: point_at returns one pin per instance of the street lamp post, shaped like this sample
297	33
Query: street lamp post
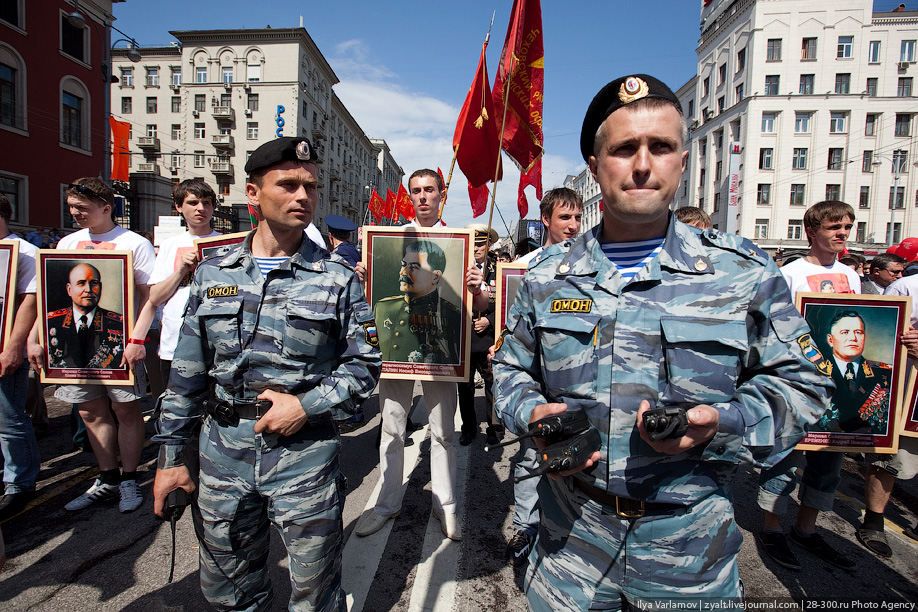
897	165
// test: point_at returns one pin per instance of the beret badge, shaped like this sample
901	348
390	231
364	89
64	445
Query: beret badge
632	89
303	152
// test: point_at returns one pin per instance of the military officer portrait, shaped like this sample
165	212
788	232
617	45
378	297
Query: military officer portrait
82	334
419	325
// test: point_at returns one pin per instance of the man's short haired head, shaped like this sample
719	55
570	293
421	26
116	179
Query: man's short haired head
196	187
633	92
6	209
273	152
559	196
886	268
693	215
436	258
827	210
427	172
882	261
84	286
845	337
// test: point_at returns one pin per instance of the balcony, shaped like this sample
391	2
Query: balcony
148	168
333	176
222	168
318	130
222	141
149	143
223	113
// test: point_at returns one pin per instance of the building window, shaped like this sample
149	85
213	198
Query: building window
836	159
896	197
741	59
904	89
72	125
833	192
795	229
872	87
761	228
175	161
200	74
797	194
153	77
864	201
807	83
837	123
226	100
199	131
843	83
873	52
176	76
151	105
773	50
251	130
768	123
772	83
127	77
702	176
896	232
199	159
907	51
73	41
867	163
226	74
809	49
763	194
151	130
718	170
223	188
705	87
799	160
765	158
176	131
253	73
252	102
10	12
903	124
870	125
721	74
801	123
845	47
176	104
200	102
716	202
127	106
861	232
739	94
721	104
719	138
899	161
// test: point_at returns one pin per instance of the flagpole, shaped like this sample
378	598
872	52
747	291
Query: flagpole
500	141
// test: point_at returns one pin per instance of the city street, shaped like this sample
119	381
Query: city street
100	559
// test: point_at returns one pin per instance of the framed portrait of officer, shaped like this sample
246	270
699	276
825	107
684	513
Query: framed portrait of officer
208	246
855	340
910	414
416	287
9	259
86	310
509	277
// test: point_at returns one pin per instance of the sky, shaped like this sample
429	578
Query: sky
405	67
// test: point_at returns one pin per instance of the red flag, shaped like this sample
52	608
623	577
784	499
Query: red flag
120	152
476	139
390	205
403	203
533	177
478	196
521	70
377	206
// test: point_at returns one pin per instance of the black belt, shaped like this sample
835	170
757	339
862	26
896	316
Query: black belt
624	507
251	409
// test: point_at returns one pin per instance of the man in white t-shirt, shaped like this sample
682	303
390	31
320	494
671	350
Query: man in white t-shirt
91	202
827	225
171	278
21	461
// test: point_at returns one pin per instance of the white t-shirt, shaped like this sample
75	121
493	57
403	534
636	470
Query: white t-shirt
173	311
25	271
315	235
117	239
907	285
802	275
525	259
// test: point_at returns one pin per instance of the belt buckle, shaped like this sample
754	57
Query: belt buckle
629	513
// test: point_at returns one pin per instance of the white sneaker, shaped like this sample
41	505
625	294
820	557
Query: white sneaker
97	492
373	522
449	525
131	497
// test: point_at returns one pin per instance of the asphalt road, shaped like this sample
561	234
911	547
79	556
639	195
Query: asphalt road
100	559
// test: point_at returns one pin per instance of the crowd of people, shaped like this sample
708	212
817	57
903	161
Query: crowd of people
269	343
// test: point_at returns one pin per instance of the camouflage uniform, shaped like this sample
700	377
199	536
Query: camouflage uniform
307	330
709	320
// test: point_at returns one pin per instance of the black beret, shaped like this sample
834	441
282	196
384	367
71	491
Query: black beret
337	223
286	148
615	95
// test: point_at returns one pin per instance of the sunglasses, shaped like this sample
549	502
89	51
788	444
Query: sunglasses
86	191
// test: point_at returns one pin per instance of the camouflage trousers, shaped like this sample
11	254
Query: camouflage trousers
247	480
588	558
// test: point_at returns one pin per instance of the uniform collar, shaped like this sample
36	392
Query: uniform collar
307	256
